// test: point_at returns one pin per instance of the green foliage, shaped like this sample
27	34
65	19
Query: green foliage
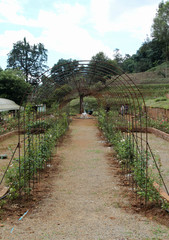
118	57
13	86
158	103
29	59
39	151
145	178
2	203
128	63
62	70
90	103
160	69
8	123
124	149
161	99
152	52
133	157
103	67
41	124
160	124
150	89
149	55
160	26
60	93
79	79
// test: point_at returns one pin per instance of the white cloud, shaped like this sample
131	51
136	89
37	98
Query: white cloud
61	32
62	28
6	43
100	12
60	14
4	52
74	41
9	37
138	21
9	10
108	18
71	13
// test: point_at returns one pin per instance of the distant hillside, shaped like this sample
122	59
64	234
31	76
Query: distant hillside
161	69
156	75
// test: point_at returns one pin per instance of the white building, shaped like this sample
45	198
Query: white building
8	105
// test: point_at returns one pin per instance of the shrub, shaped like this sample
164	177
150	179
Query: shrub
133	157
23	170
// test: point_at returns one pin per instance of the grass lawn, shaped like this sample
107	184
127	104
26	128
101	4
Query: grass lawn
158	103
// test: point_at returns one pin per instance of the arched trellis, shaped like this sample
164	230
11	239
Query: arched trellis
123	112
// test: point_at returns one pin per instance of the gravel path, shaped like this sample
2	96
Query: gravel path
85	202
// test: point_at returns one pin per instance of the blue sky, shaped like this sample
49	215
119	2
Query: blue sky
76	29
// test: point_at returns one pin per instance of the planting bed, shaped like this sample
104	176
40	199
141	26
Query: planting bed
7	147
160	148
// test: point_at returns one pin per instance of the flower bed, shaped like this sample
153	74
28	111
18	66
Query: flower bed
23	170
133	160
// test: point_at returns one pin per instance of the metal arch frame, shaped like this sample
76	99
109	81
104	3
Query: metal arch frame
116	83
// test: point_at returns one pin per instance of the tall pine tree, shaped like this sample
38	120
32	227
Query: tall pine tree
30	59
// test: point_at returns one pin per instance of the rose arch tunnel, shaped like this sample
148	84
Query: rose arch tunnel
121	114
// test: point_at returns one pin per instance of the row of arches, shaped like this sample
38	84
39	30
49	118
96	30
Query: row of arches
121	112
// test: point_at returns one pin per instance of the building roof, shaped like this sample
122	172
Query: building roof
7	105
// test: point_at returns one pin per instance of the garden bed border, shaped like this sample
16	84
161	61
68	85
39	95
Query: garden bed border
155	131
9	134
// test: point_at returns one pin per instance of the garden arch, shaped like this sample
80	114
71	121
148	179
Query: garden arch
123	114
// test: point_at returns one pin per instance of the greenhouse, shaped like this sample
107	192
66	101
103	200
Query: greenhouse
8	105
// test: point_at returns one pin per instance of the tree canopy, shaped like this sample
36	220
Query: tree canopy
30	59
150	54
160	27
13	85
153	51
72	77
104	67
63	70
